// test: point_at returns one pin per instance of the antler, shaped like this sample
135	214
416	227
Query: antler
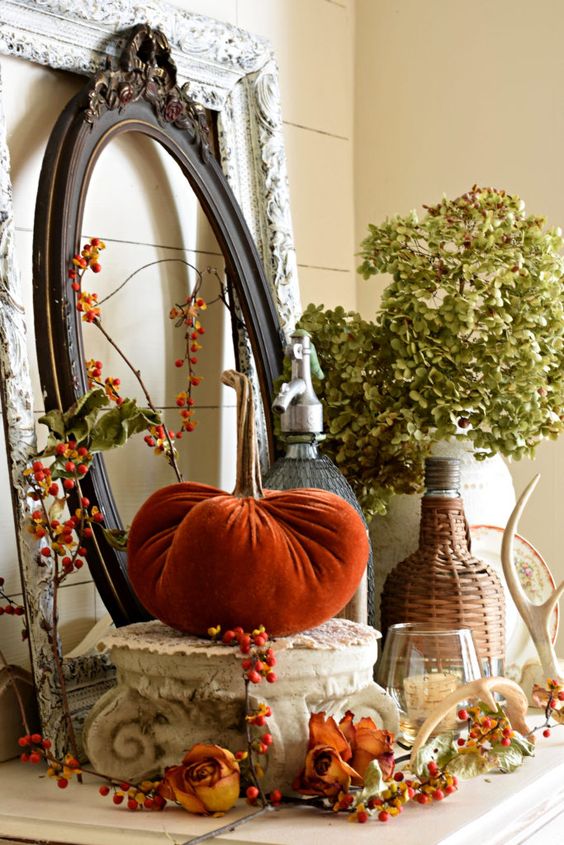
535	616
482	690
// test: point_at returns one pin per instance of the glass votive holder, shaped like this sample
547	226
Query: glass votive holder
420	667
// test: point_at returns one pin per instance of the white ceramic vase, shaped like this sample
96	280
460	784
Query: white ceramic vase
488	494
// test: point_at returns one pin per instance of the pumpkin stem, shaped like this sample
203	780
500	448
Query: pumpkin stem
249	482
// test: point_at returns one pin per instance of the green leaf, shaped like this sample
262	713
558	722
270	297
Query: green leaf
116	538
470	765
55	422
440	749
525	746
508	757
374	784
115	427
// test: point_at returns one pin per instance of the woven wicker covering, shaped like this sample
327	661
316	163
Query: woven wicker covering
441	584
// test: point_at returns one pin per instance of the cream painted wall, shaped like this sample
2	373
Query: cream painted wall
135	204
448	94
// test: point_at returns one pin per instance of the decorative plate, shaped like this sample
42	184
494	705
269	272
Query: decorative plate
536	580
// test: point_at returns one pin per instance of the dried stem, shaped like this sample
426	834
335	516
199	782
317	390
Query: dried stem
137	373
228	827
249	733
17	693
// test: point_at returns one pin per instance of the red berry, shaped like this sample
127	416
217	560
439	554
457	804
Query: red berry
148	803
82	469
252	793
463	715
506	741
260	721
438	795
23	741
95	267
398	776
454	780
228	636
433	768
179	362
253	677
95	241
561	695
104	790
422	798
450	789
117	799
272	677
85	502
461	741
132	804
54	489
62	783
24	757
124	785
79	563
246	664
36	738
546	733
46	552
37	466
75	286
383	816
68	483
410	792
69	466
46	743
159	802
275	796
267	739
262	749
245	644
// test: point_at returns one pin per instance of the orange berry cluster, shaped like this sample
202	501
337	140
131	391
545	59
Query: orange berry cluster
62	539
110	385
11	608
156	439
259	659
436	787
34	747
554	702
484	730
187	315
143	796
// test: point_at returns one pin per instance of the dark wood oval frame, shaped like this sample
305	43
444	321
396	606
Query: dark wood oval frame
141	96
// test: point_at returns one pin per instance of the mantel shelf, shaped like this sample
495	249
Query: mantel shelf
493	810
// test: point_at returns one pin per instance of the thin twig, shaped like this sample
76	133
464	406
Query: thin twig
152	264
254	775
137	373
17	693
226	828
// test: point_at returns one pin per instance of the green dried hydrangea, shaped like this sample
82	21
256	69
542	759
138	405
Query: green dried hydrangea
469	337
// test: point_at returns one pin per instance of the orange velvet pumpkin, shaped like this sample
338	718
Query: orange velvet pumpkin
287	559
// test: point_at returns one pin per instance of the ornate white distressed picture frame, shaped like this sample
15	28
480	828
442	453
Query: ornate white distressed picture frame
224	69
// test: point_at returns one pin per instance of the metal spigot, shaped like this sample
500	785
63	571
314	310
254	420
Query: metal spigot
300	410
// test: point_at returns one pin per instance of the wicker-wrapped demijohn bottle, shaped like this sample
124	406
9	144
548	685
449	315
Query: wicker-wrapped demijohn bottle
442	584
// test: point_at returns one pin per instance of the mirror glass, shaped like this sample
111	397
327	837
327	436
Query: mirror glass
152	215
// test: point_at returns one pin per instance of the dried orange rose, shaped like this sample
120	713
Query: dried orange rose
326	771
206	782
368	742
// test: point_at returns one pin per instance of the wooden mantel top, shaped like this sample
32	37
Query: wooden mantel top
491	810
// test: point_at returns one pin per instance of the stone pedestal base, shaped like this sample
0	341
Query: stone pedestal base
175	690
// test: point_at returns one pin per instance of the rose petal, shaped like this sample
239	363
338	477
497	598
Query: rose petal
324	731
222	796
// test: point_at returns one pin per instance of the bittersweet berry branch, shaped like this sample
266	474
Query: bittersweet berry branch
137	373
